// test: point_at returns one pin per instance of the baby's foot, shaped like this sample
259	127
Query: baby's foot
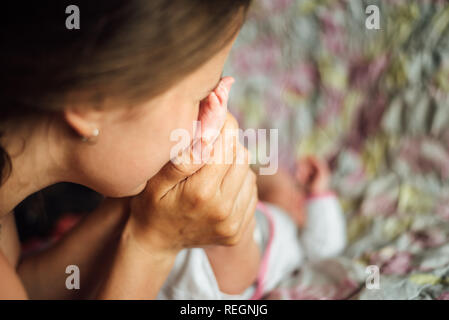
281	189
312	175
212	116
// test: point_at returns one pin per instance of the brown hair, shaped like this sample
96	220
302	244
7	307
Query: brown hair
128	50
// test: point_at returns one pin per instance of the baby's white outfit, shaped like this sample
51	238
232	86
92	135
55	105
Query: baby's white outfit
284	248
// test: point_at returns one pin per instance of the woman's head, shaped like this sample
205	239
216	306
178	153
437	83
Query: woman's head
135	70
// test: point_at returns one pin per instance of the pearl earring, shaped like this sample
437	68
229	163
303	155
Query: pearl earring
95	133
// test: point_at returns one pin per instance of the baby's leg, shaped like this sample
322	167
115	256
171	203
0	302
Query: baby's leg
305	198
324	235
281	189
290	192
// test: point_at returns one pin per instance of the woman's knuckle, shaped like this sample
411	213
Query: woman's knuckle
201	196
232	241
224	231
220	214
231	229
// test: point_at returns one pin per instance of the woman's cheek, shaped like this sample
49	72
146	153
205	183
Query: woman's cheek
185	122
154	144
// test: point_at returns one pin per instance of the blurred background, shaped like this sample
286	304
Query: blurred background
374	104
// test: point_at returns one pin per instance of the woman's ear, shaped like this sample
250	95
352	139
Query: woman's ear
85	122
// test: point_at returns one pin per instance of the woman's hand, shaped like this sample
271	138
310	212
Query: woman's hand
193	205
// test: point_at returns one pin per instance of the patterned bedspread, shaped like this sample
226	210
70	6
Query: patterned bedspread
375	105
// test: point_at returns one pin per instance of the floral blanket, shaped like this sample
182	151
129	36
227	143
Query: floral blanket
375	104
